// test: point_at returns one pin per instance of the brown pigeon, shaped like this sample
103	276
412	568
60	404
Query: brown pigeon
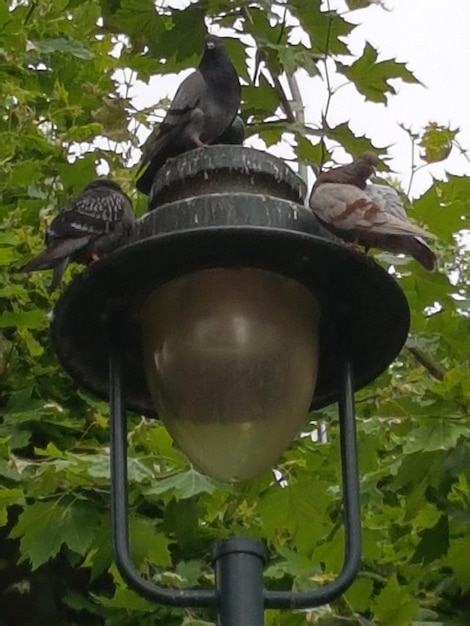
368	214
204	107
94	223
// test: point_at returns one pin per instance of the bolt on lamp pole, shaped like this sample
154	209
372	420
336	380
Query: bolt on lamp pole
231	216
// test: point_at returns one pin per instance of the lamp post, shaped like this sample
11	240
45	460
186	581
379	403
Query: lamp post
231	313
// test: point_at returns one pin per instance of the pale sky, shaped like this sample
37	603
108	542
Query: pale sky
431	36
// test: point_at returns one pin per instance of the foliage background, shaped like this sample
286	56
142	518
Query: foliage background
65	71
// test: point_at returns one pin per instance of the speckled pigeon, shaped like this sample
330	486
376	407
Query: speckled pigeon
203	108
368	214
94	223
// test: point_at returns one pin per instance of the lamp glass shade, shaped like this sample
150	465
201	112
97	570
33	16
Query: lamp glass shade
231	359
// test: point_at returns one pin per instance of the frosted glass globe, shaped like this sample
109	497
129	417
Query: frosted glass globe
231	359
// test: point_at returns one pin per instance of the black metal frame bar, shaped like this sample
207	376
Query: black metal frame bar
234	609
120	506
352	513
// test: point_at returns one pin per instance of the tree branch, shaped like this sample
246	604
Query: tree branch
299	114
435	369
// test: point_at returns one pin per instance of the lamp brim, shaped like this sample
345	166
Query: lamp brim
364	313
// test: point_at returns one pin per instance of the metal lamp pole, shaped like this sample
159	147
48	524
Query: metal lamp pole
226	207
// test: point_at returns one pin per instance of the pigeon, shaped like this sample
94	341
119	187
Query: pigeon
93	224
368	214
235	133
204	107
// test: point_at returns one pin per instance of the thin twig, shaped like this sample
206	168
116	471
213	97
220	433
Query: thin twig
299	114
285	103
435	369
413	165
30	12
327	78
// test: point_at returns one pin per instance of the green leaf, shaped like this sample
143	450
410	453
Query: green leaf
326	29
147	544
435	433
126	599
434	542
351	142
9	239
359	594
307	151
457	559
262	99
299	510
437	141
186	485
44	527
100	555
395	606
26	319
8	256
372	78
60	44
458	460
9	497
360	4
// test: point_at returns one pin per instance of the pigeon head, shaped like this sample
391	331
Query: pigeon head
364	167
214	56
212	42
355	173
370	158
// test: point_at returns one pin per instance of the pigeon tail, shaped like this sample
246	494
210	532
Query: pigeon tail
61	249
422	253
145	181
157	149
59	269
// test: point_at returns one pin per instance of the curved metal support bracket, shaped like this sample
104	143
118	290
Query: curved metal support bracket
210	598
352	513
120	507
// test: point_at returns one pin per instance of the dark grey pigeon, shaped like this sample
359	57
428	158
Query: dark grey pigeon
203	108
94	223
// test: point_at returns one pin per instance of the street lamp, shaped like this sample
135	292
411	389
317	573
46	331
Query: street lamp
231	313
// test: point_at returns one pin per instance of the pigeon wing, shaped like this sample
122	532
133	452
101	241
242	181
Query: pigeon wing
182	109
348	208
92	213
